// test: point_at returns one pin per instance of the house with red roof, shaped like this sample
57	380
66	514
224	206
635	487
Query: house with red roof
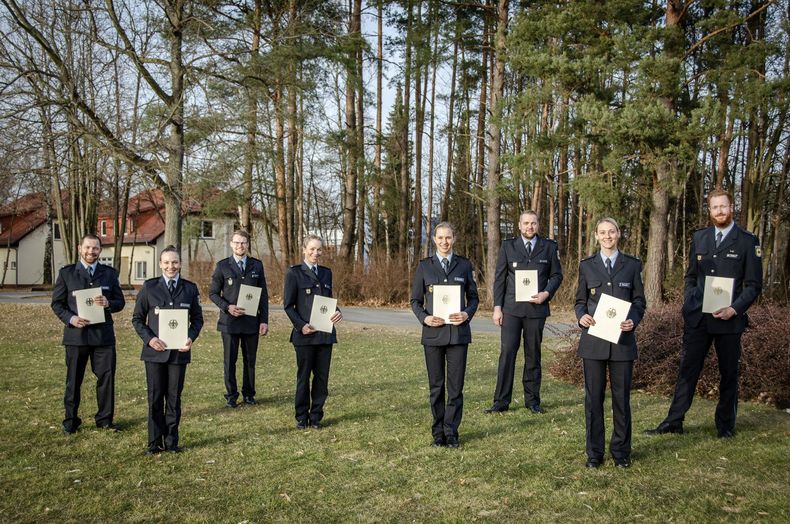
210	217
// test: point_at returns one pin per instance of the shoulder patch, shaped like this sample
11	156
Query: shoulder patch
589	257
758	252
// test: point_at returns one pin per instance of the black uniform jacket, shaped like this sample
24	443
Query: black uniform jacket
74	277
513	256
430	272
624	283
737	257
154	296
224	291
300	286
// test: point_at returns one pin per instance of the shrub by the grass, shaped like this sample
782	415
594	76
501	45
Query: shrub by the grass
765	359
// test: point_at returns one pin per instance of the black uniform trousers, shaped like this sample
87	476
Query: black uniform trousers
620	374
696	343
165	384
446	415
309	401
512	330
249	350
102	360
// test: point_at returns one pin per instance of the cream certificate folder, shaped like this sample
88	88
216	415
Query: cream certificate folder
249	298
87	307
323	309
446	300
718	293
174	327
609	314
526	284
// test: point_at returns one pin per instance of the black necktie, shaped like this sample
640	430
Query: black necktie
90	270
718	238
171	286
241	266
609	266
529	248
315	270
445	266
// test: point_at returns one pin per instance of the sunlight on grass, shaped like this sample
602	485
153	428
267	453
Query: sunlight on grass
372	461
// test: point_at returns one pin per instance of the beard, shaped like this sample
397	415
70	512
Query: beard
722	221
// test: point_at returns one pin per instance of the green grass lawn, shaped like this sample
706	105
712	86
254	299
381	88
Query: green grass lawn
372	460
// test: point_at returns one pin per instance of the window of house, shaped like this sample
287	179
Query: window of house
206	229
107	261
141	270
13	265
103	228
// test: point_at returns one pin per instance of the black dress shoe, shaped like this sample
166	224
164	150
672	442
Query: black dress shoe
115	428
174	449
231	403
315	425
301	424
623	463
496	409
439	442
153	450
452	442
67	431
250	401
726	433
593	463
535	408
665	427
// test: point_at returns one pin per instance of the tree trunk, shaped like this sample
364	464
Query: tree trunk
493	201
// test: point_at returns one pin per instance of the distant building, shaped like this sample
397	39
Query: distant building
209	221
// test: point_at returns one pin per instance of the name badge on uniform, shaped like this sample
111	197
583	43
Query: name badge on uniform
105	287
624	284
254	275
156	310
230	281
459	279
184	305
543	261
731	255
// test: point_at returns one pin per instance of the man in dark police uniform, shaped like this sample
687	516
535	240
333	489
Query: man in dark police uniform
84	341
238	328
721	250
526	251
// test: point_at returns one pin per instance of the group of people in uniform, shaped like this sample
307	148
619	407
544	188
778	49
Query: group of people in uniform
723	250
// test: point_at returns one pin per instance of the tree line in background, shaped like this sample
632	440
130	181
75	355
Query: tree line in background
380	118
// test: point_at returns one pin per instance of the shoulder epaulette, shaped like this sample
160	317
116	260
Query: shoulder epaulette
152	280
590	257
632	257
296	266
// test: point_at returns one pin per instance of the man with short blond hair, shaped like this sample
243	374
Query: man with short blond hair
239	328
523	319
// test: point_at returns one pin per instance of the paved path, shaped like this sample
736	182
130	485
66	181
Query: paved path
378	316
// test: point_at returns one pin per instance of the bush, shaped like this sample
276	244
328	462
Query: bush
765	359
